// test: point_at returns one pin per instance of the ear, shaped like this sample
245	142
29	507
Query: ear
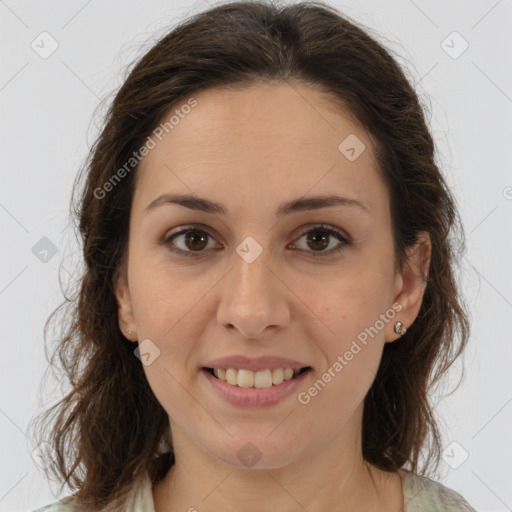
410	283
124	303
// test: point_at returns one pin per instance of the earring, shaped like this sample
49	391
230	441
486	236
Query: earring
400	329
128	332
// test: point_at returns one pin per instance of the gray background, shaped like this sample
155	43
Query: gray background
47	106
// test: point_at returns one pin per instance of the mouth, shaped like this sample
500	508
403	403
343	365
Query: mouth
262	388
268	378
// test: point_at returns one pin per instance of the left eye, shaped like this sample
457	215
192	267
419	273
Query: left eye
319	239
194	240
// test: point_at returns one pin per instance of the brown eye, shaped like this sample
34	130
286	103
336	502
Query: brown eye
320	237
195	240
318	240
188	241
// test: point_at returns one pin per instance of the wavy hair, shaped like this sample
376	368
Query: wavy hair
109	429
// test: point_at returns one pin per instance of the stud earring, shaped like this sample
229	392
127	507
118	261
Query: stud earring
128	332
400	329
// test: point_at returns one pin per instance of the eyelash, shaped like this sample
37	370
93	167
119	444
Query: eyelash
316	254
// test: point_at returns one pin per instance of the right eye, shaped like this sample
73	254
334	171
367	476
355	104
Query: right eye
191	239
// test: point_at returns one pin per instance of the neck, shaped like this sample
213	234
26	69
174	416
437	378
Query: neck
332	477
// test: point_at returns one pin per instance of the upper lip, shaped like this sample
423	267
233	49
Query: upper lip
255	364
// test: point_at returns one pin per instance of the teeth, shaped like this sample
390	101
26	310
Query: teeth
220	373
277	375
260	379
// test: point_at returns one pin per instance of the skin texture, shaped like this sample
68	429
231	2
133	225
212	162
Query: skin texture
251	151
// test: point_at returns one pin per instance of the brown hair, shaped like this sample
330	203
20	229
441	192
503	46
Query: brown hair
109	429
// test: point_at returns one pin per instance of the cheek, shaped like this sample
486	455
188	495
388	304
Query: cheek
167	305
163	298
352	350
167	316
345	308
349	331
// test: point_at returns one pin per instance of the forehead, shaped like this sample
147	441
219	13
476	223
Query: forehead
261	140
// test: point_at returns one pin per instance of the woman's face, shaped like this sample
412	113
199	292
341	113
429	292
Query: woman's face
259	281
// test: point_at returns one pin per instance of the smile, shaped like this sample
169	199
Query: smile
250	395
260	379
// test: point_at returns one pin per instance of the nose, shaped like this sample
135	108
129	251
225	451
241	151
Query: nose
254	300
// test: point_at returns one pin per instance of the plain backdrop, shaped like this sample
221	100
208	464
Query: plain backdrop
458	56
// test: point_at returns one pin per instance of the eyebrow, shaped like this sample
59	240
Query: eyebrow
193	202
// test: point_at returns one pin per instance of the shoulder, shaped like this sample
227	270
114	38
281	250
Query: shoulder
59	506
421	494
139	498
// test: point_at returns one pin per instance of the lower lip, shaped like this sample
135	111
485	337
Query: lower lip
255	397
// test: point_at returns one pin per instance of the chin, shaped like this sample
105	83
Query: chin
258	452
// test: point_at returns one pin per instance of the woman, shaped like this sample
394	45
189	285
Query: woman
269	290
